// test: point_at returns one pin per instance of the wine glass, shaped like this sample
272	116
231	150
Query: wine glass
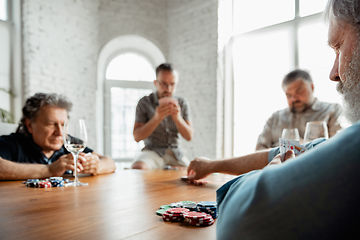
290	134
75	143
314	130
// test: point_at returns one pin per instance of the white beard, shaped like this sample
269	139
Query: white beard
350	90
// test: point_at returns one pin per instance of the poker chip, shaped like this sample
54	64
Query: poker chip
32	184
160	212
203	224
165	207
166	214
207	204
175	205
194	215
44	184
177	210
56	178
200	214
57	183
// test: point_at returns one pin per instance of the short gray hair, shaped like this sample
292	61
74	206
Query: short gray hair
344	10
295	75
35	103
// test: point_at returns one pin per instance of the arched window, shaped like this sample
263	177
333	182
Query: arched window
129	76
131	67
126	71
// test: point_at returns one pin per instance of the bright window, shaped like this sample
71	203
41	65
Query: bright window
3	10
129	77
255	14
308	7
273	42
131	67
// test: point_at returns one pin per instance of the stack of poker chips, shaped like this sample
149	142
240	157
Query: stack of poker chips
46	183
198	219
174	214
207	207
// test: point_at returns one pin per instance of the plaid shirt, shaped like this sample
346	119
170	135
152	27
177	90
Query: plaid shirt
166	135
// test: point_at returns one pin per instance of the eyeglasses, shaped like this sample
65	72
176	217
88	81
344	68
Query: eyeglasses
165	85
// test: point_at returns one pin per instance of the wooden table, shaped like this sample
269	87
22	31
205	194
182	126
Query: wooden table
121	205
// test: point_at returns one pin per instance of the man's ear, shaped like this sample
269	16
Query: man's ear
155	83
28	124
312	87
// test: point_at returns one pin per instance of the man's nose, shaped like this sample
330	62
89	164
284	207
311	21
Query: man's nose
59	129
334	73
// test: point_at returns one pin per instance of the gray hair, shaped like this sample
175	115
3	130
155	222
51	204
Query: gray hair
35	103
295	75
344	10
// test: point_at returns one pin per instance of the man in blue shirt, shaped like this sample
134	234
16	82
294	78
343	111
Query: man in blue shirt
315	195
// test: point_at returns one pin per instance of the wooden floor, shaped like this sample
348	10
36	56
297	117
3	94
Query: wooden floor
121	205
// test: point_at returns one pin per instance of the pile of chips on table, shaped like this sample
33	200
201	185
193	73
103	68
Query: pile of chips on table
196	214
47	182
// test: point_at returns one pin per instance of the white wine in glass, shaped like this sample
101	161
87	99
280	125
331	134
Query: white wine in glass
75	139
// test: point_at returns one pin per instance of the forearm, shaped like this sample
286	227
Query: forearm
15	171
241	165
184	128
147	129
107	165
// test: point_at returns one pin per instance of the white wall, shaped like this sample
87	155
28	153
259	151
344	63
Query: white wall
193	50
60	45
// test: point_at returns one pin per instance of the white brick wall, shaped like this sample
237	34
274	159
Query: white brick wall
147	18
60	45
193	50
62	40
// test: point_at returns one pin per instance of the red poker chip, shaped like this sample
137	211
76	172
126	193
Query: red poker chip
201	220
195	215
172	219
202	224
177	210
172	214
44	184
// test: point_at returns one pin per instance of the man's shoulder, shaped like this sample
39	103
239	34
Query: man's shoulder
326	105
281	113
13	138
147	99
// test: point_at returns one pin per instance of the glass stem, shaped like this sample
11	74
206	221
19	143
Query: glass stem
75	156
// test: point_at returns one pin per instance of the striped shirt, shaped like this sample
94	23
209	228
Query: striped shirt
166	135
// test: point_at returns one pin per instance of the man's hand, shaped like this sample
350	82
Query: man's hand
163	111
91	164
175	111
64	163
199	168
277	159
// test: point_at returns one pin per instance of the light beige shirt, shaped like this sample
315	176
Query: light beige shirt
319	111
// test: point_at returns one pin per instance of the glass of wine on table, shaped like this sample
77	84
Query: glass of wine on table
75	139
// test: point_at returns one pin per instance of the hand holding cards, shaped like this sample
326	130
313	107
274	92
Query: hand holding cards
295	146
167	100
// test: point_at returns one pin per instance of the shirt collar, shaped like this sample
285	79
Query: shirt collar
316	106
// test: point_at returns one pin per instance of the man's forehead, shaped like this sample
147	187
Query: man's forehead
298	83
52	113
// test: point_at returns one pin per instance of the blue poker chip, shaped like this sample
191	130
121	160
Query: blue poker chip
57	183
206	208
207	204
33	180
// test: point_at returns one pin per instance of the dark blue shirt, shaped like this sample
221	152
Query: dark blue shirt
22	149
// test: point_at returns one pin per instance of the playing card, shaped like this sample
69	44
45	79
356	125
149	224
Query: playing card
295	146
167	100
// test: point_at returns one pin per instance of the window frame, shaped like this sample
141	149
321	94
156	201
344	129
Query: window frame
294	24
110	83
